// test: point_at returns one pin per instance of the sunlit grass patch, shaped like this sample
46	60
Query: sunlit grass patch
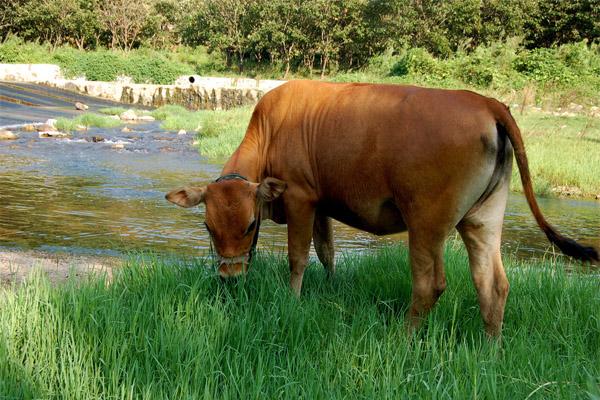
169	328
87	120
563	152
112	110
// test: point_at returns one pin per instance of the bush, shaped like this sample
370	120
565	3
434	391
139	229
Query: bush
154	69
418	61
101	65
543	65
16	51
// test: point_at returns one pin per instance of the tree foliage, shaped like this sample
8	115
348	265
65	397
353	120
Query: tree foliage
301	35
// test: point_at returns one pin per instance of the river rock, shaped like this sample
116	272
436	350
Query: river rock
128	115
80	106
118	146
125	130
44	128
182	132
95	139
53	134
28	128
7	135
145	118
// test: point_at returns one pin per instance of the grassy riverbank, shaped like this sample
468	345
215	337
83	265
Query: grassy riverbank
161	329
564	154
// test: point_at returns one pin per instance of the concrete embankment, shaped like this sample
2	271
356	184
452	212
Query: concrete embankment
193	92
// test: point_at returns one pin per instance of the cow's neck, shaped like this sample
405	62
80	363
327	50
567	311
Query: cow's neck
246	161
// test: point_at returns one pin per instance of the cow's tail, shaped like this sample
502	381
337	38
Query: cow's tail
566	245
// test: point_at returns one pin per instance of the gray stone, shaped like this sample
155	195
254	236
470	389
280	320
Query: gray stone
80	106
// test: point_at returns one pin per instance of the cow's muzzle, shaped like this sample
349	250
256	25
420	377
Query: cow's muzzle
233	266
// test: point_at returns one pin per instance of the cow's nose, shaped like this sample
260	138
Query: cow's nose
232	270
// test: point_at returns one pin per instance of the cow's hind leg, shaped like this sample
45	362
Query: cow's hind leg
481	231
323	242
428	277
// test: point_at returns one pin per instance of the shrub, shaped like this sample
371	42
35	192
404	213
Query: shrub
101	65
154	69
418	61
15	50
543	65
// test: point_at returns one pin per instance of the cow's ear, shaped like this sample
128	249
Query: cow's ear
187	196
270	189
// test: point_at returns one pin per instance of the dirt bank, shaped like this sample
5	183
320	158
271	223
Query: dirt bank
16	266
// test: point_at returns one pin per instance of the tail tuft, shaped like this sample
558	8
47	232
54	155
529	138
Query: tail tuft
572	248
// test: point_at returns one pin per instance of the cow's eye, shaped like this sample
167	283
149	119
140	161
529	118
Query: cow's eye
250	228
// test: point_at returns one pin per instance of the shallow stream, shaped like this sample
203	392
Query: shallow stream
79	196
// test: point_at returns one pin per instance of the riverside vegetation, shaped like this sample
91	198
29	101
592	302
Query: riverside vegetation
168	328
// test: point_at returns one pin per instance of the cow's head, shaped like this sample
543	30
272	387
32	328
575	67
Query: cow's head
232	216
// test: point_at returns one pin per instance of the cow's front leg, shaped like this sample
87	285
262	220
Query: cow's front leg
300	215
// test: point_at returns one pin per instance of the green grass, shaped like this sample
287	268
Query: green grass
87	120
168	328
562	152
219	132
112	110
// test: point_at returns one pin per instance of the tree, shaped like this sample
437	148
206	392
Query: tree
125	20
226	26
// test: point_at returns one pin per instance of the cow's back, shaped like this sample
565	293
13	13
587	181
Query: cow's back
365	152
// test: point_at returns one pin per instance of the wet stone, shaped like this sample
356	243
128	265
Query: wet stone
53	134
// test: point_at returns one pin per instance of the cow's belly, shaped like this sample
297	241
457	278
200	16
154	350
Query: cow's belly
377	217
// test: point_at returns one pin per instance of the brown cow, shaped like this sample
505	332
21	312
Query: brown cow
384	159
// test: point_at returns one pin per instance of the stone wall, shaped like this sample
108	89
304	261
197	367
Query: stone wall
193	92
29	72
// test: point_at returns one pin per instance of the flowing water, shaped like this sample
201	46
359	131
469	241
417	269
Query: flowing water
79	196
